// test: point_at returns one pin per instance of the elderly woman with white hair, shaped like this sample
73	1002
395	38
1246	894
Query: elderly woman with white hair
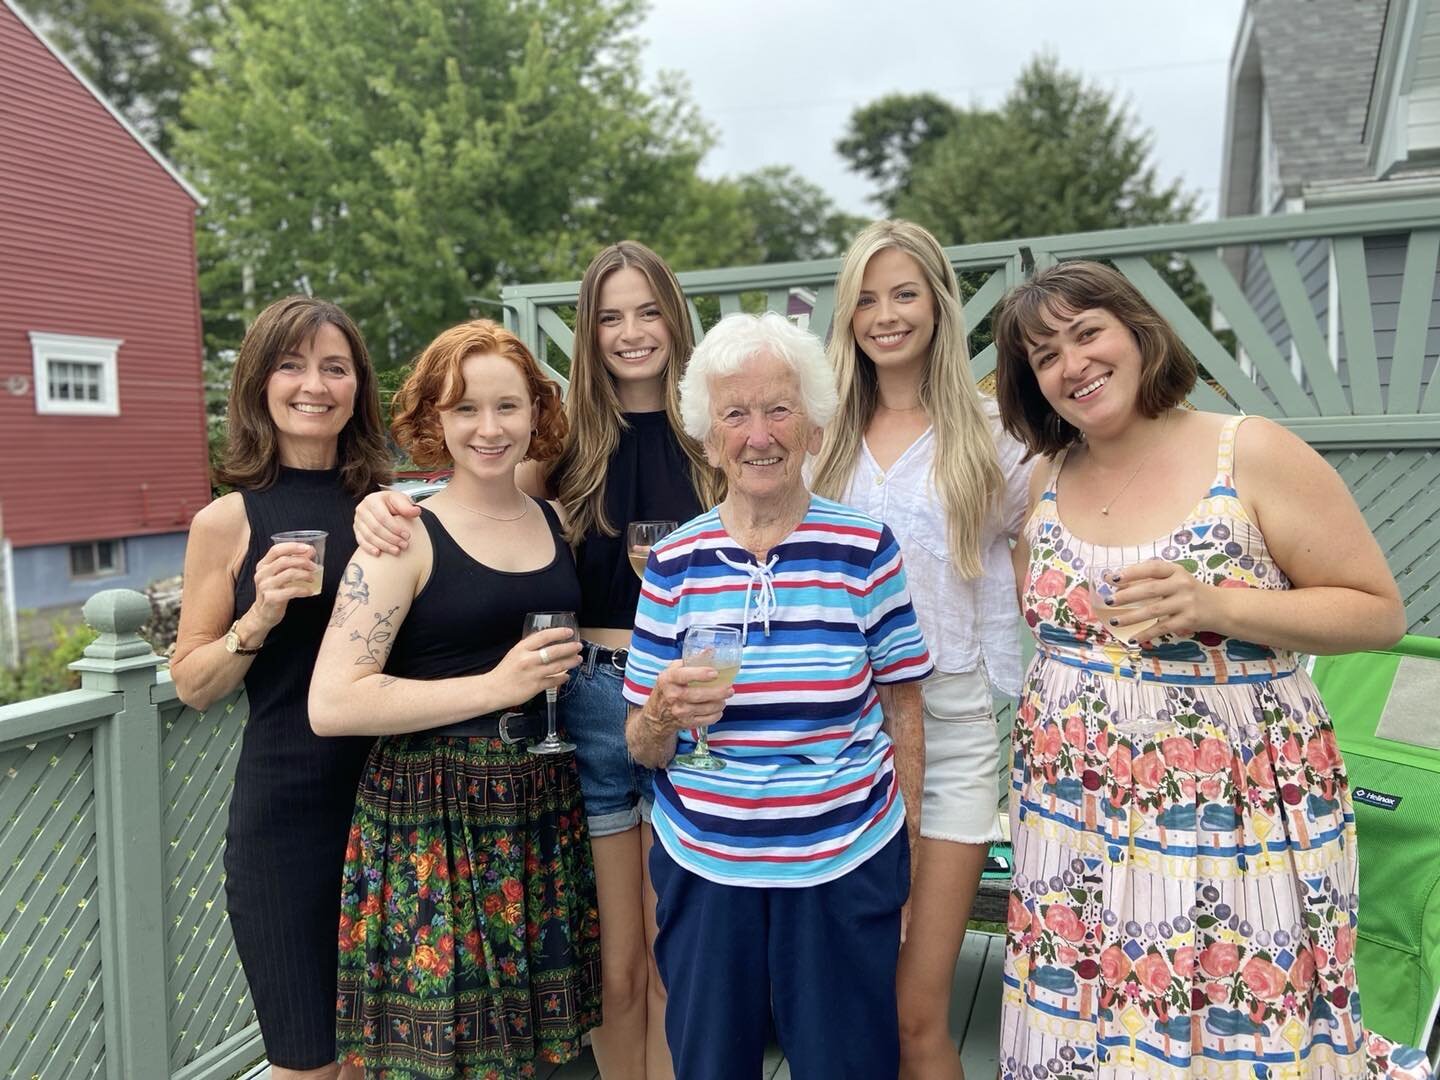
782	876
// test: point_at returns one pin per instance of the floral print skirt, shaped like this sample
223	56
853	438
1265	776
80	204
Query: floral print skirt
469	933
1184	900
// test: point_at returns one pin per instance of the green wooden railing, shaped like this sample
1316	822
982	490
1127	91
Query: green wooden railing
115	955
1332	340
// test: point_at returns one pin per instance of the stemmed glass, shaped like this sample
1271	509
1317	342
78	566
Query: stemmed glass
640	537
717	647
534	623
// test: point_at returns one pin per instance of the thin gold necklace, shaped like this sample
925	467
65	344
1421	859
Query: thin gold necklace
1105	509
495	517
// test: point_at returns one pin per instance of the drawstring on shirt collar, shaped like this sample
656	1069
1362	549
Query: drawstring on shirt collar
763	576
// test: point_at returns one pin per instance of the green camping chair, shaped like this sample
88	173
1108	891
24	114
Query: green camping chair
1386	709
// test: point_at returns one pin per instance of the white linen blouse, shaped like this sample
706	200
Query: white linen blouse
967	623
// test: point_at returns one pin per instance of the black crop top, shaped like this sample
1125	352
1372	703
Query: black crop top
468	615
648	480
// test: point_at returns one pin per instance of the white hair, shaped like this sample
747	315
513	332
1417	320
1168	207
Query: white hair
738	338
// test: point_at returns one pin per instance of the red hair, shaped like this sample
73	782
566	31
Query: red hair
437	383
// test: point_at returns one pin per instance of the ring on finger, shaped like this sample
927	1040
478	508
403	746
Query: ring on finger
545	656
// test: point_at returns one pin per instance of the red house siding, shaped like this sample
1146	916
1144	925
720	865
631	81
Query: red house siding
96	239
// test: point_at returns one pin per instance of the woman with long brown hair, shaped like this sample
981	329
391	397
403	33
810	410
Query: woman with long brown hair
626	458
305	443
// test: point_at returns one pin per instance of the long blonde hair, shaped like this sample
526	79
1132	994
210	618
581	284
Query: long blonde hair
593	404
966	470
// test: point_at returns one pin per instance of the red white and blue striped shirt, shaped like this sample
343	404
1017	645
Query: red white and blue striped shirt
808	791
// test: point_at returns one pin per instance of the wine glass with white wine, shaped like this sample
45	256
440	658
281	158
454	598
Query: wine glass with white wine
717	647
534	623
640	537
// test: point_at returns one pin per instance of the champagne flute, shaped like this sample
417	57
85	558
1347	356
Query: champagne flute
640	537
534	623
717	647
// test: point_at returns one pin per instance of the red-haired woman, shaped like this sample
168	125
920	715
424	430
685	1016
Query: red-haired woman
469	938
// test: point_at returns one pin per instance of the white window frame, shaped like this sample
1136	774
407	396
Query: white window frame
73	348
116	569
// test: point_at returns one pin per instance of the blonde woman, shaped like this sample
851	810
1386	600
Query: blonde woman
626	458
918	447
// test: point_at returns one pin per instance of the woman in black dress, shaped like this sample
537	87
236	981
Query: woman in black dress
305	443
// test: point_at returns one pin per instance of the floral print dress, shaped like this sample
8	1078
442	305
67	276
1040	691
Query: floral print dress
1184	896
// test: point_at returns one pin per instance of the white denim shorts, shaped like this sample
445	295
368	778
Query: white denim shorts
962	760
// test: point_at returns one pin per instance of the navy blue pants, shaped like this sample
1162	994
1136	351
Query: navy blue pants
823	957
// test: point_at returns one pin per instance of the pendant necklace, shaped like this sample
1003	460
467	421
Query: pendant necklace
1105	509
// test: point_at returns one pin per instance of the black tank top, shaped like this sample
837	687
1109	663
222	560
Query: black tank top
469	615
278	733
648	479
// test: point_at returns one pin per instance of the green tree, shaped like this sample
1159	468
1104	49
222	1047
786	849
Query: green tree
793	218
886	139
1057	157
505	141
141	54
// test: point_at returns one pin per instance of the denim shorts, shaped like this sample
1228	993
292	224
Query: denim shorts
618	792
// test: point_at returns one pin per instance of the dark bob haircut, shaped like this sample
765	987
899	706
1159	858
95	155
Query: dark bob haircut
437	383
252	454
1167	370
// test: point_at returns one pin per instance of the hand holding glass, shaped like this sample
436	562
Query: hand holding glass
316	539
717	647
1106	581
640	537
534	623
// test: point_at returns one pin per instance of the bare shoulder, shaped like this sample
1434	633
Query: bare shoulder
219	534
221	516
1267	453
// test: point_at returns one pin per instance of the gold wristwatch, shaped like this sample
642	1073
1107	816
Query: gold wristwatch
232	641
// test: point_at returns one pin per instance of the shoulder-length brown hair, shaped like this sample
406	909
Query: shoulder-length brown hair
593	404
1167	370
437	383
252	450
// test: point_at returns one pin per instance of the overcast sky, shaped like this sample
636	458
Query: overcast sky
779	79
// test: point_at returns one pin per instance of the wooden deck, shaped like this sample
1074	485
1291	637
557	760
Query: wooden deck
974	1019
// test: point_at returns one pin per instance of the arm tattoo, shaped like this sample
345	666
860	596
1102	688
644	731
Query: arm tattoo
386	680
377	641
354	592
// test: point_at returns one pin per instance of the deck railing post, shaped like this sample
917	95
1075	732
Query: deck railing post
129	839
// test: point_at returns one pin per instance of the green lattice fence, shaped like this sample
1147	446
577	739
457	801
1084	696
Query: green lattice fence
51	1002
115	955
209	1002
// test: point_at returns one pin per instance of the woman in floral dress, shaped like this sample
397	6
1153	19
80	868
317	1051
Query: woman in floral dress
1184	899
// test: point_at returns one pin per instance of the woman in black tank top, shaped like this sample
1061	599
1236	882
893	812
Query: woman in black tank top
626	458
469	930
305	442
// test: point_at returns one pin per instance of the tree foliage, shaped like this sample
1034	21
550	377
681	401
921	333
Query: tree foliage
1057	156
793	219
886	139
141	54
504	142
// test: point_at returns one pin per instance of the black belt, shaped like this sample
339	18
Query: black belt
510	726
592	656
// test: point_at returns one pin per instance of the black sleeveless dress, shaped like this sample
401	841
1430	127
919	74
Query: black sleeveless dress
469	932
294	791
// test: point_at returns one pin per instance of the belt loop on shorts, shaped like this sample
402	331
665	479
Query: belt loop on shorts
590	652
